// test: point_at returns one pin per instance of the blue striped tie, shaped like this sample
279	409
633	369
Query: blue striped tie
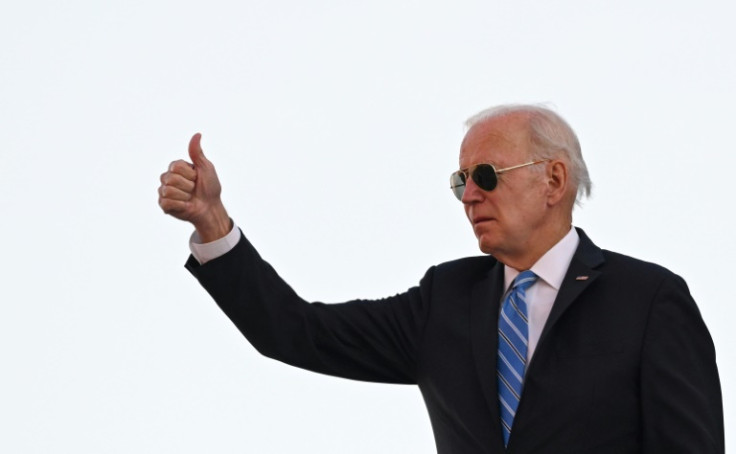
513	335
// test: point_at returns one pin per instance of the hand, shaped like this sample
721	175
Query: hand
191	192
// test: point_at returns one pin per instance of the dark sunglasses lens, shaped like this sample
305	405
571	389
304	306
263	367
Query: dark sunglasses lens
457	184
485	177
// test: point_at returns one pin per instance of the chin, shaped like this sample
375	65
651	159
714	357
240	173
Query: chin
485	246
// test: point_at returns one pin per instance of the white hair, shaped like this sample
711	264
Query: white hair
550	137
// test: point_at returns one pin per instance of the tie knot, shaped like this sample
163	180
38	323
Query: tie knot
524	280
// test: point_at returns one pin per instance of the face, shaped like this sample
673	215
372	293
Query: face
509	219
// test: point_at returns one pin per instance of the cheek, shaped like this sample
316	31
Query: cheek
530	219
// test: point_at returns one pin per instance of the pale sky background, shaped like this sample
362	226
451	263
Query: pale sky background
334	126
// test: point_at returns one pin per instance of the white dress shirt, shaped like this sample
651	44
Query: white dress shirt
550	269
204	252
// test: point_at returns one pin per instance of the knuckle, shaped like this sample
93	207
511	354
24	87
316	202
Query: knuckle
181	170
166	177
167	207
175	165
164	205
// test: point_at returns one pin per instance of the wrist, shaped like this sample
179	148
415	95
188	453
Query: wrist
214	226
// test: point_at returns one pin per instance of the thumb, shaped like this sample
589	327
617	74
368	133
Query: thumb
195	151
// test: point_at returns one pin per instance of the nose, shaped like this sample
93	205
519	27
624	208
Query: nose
473	193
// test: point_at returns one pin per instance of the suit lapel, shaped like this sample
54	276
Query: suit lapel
579	276
484	308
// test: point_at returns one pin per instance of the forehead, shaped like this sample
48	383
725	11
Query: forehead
500	140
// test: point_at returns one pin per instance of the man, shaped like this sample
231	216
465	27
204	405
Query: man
548	344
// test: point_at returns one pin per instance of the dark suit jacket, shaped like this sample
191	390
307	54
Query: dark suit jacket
624	364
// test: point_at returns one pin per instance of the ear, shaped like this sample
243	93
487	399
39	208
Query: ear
558	182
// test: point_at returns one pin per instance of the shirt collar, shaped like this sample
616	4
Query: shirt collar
553	265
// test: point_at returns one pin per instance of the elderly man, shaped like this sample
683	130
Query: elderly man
548	344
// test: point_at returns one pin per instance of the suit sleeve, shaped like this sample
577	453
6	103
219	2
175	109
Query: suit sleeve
680	390
364	340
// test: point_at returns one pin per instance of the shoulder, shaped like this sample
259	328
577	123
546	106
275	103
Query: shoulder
633	266
630	279
619	267
637	271
468	269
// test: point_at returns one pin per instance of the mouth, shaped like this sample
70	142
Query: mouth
481	219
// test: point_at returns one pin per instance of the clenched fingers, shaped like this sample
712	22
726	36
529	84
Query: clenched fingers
177	189
177	181
176	208
184	169
173	193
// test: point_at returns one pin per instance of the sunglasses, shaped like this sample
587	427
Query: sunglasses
484	175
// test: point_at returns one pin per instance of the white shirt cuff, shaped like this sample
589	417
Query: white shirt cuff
204	252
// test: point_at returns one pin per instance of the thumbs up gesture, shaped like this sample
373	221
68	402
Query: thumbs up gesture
191	192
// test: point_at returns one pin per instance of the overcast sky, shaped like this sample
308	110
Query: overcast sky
334	126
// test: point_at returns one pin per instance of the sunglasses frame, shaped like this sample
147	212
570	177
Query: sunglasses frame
470	171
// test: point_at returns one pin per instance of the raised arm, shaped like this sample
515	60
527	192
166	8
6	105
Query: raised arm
364	340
